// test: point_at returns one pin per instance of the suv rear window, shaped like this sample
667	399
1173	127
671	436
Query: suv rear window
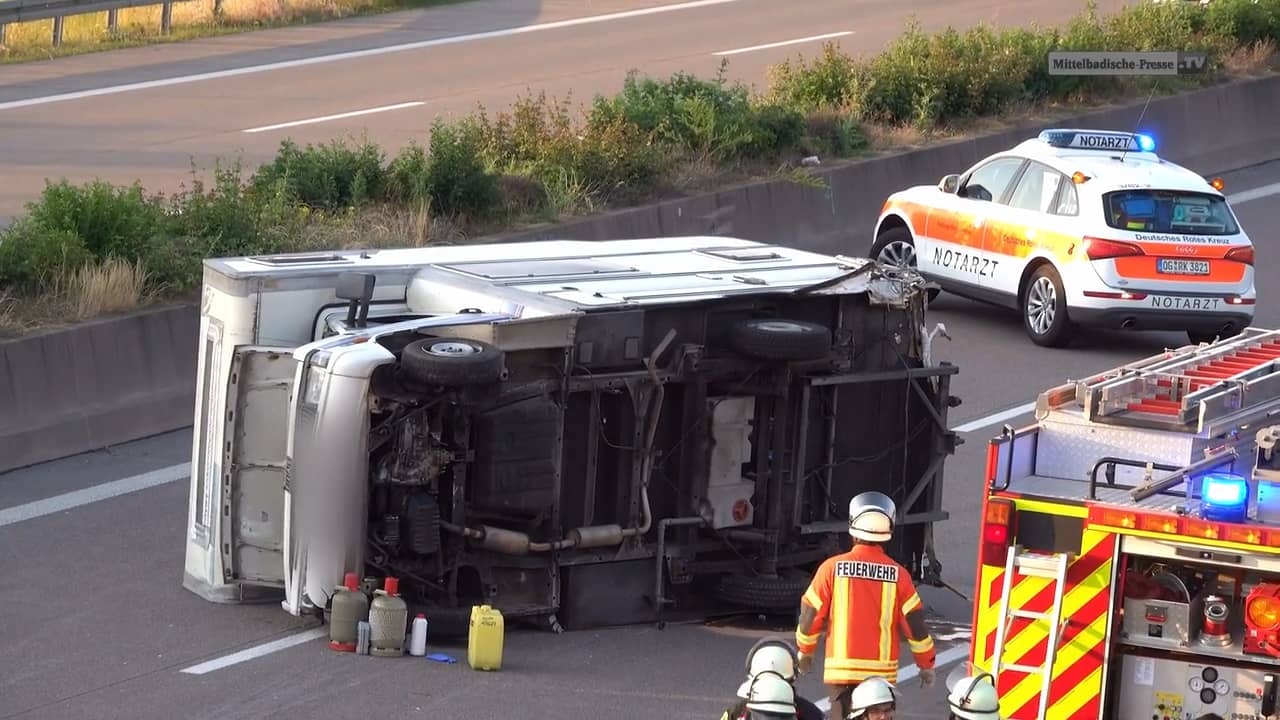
1169	211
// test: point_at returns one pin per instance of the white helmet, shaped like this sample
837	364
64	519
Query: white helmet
769	655
870	693
771	693
974	698
871	516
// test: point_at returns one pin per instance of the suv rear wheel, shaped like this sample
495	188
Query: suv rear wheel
1044	308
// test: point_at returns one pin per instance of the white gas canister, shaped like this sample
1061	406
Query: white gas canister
418	636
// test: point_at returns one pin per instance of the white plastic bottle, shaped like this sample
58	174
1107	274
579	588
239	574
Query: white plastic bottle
418	637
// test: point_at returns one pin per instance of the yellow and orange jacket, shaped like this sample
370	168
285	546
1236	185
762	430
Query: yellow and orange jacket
869	602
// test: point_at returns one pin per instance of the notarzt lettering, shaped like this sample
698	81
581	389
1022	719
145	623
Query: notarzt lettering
864	570
965	262
1105	142
1185	303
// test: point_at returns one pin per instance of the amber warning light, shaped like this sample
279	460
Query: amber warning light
1262	620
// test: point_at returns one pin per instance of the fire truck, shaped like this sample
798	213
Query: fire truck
1129	560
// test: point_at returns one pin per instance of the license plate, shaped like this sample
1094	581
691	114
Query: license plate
1182	267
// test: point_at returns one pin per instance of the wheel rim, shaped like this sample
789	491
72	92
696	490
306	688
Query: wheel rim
780	326
451	349
899	253
1042	305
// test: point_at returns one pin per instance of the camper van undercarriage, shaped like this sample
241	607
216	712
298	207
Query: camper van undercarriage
576	433
531	479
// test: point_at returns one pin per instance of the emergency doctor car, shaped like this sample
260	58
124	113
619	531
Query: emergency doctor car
1080	228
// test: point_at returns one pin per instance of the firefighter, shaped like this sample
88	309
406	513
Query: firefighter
777	656
769	697
974	698
873	699
869	600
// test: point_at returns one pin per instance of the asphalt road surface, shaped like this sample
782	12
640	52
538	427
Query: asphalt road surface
146	114
96	623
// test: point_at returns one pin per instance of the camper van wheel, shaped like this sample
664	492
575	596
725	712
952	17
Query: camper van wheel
452	362
780	339
761	592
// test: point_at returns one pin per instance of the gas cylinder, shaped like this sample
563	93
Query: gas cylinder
484	641
349	607
388	617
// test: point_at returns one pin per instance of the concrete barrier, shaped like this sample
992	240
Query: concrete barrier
112	381
97	384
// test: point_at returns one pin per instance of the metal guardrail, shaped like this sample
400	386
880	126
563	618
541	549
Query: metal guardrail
17	11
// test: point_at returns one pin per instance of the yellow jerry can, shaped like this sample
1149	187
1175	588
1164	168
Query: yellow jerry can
484	641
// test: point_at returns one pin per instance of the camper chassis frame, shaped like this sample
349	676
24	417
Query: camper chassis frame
767	563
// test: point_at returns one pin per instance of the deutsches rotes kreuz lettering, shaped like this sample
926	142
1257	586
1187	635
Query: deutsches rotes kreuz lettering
863	570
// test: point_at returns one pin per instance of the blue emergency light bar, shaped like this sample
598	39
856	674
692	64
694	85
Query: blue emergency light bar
1099	140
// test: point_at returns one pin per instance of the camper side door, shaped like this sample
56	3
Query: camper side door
259	395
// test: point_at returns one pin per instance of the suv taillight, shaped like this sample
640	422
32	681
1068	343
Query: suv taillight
997	531
1241	254
1099	249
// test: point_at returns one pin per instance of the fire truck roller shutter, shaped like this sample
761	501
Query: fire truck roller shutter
1077	673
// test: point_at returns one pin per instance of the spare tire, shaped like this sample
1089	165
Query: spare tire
452	362
780	339
763	593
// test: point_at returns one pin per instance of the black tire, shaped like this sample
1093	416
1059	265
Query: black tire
780	339
1208	337
898	237
763	593
1043	306
452	362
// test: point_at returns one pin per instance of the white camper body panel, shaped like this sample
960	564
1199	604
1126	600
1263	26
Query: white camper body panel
513	295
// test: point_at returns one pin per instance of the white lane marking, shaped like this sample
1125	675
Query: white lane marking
67	501
995	418
339	116
256	651
1245	196
797	41
944	658
371	52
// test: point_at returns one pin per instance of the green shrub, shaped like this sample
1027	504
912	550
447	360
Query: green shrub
831	81
330	177
708	118
110	220
1247	21
34	256
457	179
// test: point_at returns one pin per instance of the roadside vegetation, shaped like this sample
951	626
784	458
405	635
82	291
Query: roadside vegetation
191	19
95	248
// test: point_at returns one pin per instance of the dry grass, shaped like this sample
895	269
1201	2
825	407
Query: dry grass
382	227
115	286
1252	60
101	289
191	19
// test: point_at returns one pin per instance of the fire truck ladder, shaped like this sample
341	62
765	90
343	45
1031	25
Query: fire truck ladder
1191	388
1030	564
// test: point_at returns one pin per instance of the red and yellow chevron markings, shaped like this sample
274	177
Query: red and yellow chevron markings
1075	693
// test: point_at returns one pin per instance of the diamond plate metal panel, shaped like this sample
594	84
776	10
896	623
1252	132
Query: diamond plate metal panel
1069	446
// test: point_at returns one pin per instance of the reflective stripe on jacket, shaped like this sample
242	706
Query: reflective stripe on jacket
869	602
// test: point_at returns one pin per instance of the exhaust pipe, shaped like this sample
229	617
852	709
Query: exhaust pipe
1128	323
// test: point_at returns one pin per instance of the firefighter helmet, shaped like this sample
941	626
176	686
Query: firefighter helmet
870	693
771	693
871	516
769	655
974	698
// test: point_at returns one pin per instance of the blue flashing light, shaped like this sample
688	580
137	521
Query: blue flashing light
1146	143
1224	496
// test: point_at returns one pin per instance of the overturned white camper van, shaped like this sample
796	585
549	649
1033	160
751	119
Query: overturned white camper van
572	432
